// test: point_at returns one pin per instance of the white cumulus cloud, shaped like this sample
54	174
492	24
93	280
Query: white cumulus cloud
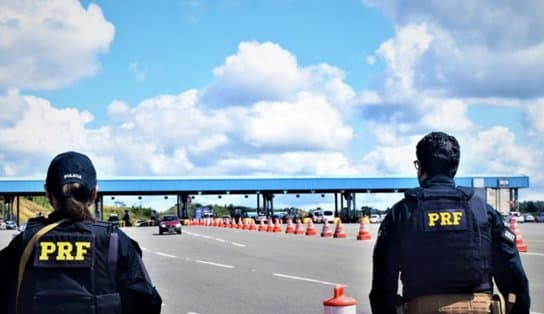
48	44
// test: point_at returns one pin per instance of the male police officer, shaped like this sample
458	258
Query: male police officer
446	243
68	262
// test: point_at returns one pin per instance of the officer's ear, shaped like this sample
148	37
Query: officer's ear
94	194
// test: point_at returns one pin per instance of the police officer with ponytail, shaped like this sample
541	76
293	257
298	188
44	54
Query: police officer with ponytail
69	262
447	244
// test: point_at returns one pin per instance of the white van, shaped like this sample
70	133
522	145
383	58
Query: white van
374	219
328	215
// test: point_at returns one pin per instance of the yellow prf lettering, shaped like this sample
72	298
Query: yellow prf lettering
81	250
457	217
64	251
433	218
445	219
46	248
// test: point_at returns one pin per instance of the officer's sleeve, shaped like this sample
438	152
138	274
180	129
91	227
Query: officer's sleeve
138	295
385	268
9	261
508	271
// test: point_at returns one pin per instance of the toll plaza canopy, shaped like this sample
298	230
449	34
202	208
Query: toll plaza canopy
248	185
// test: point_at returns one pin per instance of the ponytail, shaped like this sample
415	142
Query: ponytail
73	201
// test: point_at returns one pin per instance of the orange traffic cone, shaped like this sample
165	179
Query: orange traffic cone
364	234
262	227
277	226
326	232
339	232
340	304
270	227
245	225
311	228
252	225
300	228
522	247
290	227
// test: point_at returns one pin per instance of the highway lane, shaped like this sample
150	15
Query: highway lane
238	271
211	270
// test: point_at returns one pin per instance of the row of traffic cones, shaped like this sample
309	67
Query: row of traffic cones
298	228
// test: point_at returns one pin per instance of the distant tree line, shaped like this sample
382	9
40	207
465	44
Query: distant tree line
531	206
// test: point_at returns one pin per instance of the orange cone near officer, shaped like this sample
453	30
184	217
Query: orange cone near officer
340	304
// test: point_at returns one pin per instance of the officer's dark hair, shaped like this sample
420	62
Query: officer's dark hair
73	200
438	154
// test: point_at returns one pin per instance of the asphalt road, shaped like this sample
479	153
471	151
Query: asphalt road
210	270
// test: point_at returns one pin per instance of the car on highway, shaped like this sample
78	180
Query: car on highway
141	223
261	218
328	215
169	223
2	224
316	215
11	225
539	217
374	219
528	218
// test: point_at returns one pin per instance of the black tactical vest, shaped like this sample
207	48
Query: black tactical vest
72	270
446	243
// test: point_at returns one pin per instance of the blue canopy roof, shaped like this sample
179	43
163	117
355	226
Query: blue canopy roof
247	185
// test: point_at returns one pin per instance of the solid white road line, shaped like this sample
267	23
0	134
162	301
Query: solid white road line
307	279
238	244
214	264
165	255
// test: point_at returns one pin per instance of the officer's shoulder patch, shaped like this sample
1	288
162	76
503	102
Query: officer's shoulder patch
65	250
508	235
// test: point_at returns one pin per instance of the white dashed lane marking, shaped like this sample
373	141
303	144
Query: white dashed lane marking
165	255
213	264
216	239
307	279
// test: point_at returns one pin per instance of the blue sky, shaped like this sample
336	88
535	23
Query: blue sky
266	88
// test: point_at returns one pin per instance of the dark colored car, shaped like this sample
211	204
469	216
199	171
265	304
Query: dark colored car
114	219
169	223
141	223
539	217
